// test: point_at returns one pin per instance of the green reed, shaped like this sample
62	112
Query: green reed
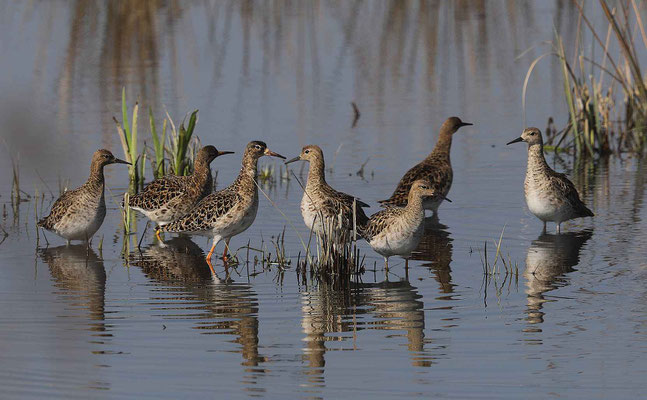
607	113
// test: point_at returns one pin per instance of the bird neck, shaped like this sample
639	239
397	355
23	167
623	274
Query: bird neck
536	159
443	145
414	203
201	173
96	179
248	172
316	173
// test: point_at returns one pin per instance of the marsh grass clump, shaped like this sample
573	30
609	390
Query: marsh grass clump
607	112
173	151
500	271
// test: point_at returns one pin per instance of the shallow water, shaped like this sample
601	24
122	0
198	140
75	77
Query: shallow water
76	323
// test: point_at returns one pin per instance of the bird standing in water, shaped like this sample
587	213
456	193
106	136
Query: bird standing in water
323	207
228	212
168	198
550	195
398	230
436	168
78	213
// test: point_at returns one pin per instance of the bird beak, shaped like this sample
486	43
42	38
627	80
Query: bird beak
222	153
297	158
119	161
269	152
443	197
519	139
466	123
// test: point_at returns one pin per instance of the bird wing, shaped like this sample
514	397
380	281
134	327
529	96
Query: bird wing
567	187
424	170
379	221
59	209
204	215
160	192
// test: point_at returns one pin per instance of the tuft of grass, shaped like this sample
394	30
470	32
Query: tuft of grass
158	145
500	270
607	113
128	137
181	148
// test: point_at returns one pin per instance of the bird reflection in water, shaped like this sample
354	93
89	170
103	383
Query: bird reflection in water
549	259
79	274
436	248
227	307
334	315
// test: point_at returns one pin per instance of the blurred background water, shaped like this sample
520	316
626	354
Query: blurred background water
78	323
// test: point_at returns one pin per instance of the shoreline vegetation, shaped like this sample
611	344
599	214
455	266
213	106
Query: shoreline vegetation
604	86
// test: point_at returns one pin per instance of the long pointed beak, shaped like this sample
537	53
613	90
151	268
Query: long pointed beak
466	123
119	161
297	158
444	197
222	153
269	152
519	139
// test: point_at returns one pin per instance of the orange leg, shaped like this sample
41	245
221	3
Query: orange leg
213	271
157	235
224	255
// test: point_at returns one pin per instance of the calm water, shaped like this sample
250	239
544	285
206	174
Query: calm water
76	323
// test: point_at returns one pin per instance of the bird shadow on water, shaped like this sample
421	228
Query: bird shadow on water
549	259
189	292
335	319
436	248
79	275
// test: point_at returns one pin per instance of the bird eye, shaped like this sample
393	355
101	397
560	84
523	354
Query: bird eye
307	151
258	147
532	133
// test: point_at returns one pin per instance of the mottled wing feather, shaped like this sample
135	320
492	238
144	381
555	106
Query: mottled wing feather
379	221
437	174
204	215
567	187
59	209
160	192
335	200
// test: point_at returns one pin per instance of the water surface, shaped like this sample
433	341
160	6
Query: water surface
76	323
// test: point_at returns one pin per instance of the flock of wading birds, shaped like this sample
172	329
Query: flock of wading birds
187	204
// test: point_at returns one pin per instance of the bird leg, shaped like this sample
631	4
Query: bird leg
157	235
224	255
559	228
544	231
386	263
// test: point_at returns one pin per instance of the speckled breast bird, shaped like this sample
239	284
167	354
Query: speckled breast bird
166	199
228	212
320	202
436	168
550	195
78	213
396	231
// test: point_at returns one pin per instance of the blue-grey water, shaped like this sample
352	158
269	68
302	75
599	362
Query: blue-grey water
78	323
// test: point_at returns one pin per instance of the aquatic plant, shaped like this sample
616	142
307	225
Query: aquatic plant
605	115
128	137
500	271
179	147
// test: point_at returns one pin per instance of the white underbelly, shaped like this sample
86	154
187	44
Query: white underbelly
546	210
397	243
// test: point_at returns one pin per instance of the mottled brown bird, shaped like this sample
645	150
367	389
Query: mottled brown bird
398	230
550	195
78	213
228	212
320	202
436	168
166	199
